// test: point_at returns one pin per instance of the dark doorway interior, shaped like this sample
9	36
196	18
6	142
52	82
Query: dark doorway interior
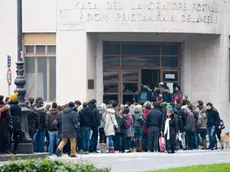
150	78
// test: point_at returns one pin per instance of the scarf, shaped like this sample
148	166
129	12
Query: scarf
167	128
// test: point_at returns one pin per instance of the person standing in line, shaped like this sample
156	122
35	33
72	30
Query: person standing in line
68	120
181	124
77	108
129	133
102	138
85	120
5	126
52	119
39	136
170	131
147	108
190	128
202	122
110	125
153	123
119	138
16	113
212	119
96	119
139	121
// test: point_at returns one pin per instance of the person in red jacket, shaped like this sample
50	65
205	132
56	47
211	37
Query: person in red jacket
145	136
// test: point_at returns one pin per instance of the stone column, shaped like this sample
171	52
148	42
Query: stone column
186	73
224	73
99	73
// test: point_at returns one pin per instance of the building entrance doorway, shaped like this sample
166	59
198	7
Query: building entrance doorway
128	65
150	77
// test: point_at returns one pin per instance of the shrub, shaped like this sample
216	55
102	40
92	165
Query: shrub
48	166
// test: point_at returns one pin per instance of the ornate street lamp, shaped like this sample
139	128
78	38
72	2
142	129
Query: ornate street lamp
26	145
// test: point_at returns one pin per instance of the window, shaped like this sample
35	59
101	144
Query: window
140	49
40	72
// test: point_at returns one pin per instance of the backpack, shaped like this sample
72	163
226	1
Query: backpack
141	120
127	122
144	97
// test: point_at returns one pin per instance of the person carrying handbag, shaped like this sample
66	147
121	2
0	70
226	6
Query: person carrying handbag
110	126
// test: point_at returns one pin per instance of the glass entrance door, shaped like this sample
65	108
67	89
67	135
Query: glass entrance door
131	85
111	85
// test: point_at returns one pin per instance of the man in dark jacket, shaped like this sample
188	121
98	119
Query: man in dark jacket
85	119
68	119
153	123
95	125
190	128
212	120
39	136
52	119
181	123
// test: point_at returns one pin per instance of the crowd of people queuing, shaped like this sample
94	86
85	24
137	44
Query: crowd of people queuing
84	127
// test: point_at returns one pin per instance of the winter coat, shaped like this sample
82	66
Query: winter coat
191	122
154	118
129	132
68	119
146	111
138	113
173	131
5	124
166	95
52	119
102	117
173	125
16	113
86	117
181	119
33	120
213	118
96	118
202	119
110	122
41	118
120	121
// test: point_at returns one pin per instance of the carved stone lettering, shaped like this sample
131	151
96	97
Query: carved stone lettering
86	6
112	5
97	17
183	11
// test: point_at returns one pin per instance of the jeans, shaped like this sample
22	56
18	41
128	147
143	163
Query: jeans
190	139
212	138
153	138
128	143
94	139
102	135
85	136
54	140
39	141
111	143
196	141
144	142
119	142
138	133
72	145
183	143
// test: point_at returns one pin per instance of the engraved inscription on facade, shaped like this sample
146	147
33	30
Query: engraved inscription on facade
146	11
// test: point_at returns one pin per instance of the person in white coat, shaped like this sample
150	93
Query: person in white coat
110	126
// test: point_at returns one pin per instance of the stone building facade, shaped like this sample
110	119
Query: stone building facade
71	48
